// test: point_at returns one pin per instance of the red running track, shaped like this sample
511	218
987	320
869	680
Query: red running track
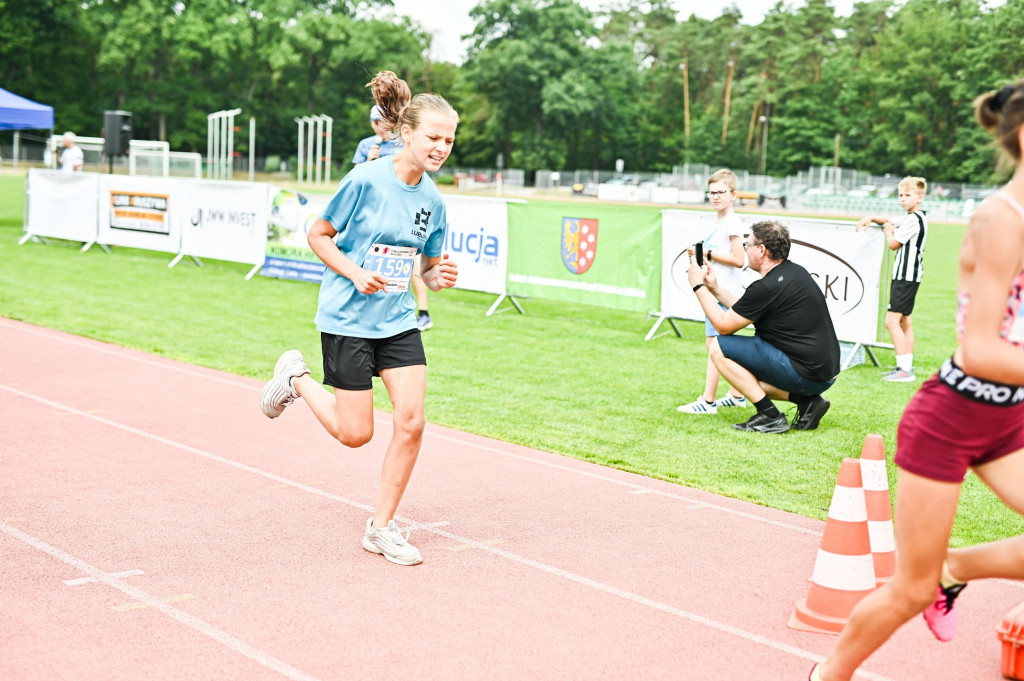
155	525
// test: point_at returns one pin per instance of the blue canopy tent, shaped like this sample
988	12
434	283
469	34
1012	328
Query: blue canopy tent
18	113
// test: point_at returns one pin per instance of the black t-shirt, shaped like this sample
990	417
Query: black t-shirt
789	311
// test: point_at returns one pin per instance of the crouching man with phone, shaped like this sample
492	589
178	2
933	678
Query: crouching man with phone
794	353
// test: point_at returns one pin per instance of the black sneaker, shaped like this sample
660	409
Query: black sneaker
760	423
810	417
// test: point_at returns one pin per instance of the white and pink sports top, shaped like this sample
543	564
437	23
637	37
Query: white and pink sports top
1012	326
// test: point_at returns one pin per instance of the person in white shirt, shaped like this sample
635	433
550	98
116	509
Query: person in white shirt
723	250
70	156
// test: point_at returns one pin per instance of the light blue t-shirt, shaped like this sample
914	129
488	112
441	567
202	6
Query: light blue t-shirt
372	206
392	146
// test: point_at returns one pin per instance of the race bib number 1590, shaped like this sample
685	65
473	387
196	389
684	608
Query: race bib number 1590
394	262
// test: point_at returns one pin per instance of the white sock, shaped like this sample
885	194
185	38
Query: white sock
905	362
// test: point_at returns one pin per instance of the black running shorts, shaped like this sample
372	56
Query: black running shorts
902	295
350	363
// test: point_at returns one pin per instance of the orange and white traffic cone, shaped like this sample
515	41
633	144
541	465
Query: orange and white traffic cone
879	505
844	571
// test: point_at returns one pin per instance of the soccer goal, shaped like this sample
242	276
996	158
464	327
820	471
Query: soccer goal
155	159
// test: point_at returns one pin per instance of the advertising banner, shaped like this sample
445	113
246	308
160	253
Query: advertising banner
140	212
287	254
607	255
62	205
477	241
225	220
847	265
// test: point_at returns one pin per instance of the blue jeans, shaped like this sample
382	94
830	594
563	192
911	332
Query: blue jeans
769	365
709	329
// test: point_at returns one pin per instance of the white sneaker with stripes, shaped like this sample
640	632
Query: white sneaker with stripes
731	400
698	406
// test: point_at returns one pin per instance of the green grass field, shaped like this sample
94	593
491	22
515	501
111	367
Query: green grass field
576	380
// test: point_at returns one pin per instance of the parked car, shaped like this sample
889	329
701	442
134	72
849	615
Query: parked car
634	180
774	193
822	190
979	194
863	191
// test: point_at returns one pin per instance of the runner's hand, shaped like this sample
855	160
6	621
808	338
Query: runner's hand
446	274
369	282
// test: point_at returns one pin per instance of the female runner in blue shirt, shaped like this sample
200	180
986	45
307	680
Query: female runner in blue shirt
384	213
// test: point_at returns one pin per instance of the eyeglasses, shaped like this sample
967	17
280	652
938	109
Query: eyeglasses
746	245
714	194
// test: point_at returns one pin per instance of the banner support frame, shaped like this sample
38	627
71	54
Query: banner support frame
867	348
652	334
179	257
511	298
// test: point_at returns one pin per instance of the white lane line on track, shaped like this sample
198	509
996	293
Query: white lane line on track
481	545
237	645
93	580
116	351
636	489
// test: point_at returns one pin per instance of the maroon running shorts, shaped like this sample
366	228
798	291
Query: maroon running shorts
946	429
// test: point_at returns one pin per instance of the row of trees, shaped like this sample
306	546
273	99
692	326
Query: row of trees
546	83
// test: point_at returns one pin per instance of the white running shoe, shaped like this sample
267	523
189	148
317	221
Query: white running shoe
900	376
731	400
423	322
698	406
391	543
278	392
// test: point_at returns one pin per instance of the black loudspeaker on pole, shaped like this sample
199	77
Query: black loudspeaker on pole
117	134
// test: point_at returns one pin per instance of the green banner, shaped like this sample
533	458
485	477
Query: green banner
592	253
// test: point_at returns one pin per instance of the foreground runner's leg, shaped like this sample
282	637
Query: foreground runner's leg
346	414
406	386
924	515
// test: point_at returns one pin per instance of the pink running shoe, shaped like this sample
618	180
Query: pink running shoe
941	615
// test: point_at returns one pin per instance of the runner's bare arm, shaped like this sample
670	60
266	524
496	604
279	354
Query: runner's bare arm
438	272
321	240
996	243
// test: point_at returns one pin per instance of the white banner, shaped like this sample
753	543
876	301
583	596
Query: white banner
140	212
62	205
225	220
847	265
477	240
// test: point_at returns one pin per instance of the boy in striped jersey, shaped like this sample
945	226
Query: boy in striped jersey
906	236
